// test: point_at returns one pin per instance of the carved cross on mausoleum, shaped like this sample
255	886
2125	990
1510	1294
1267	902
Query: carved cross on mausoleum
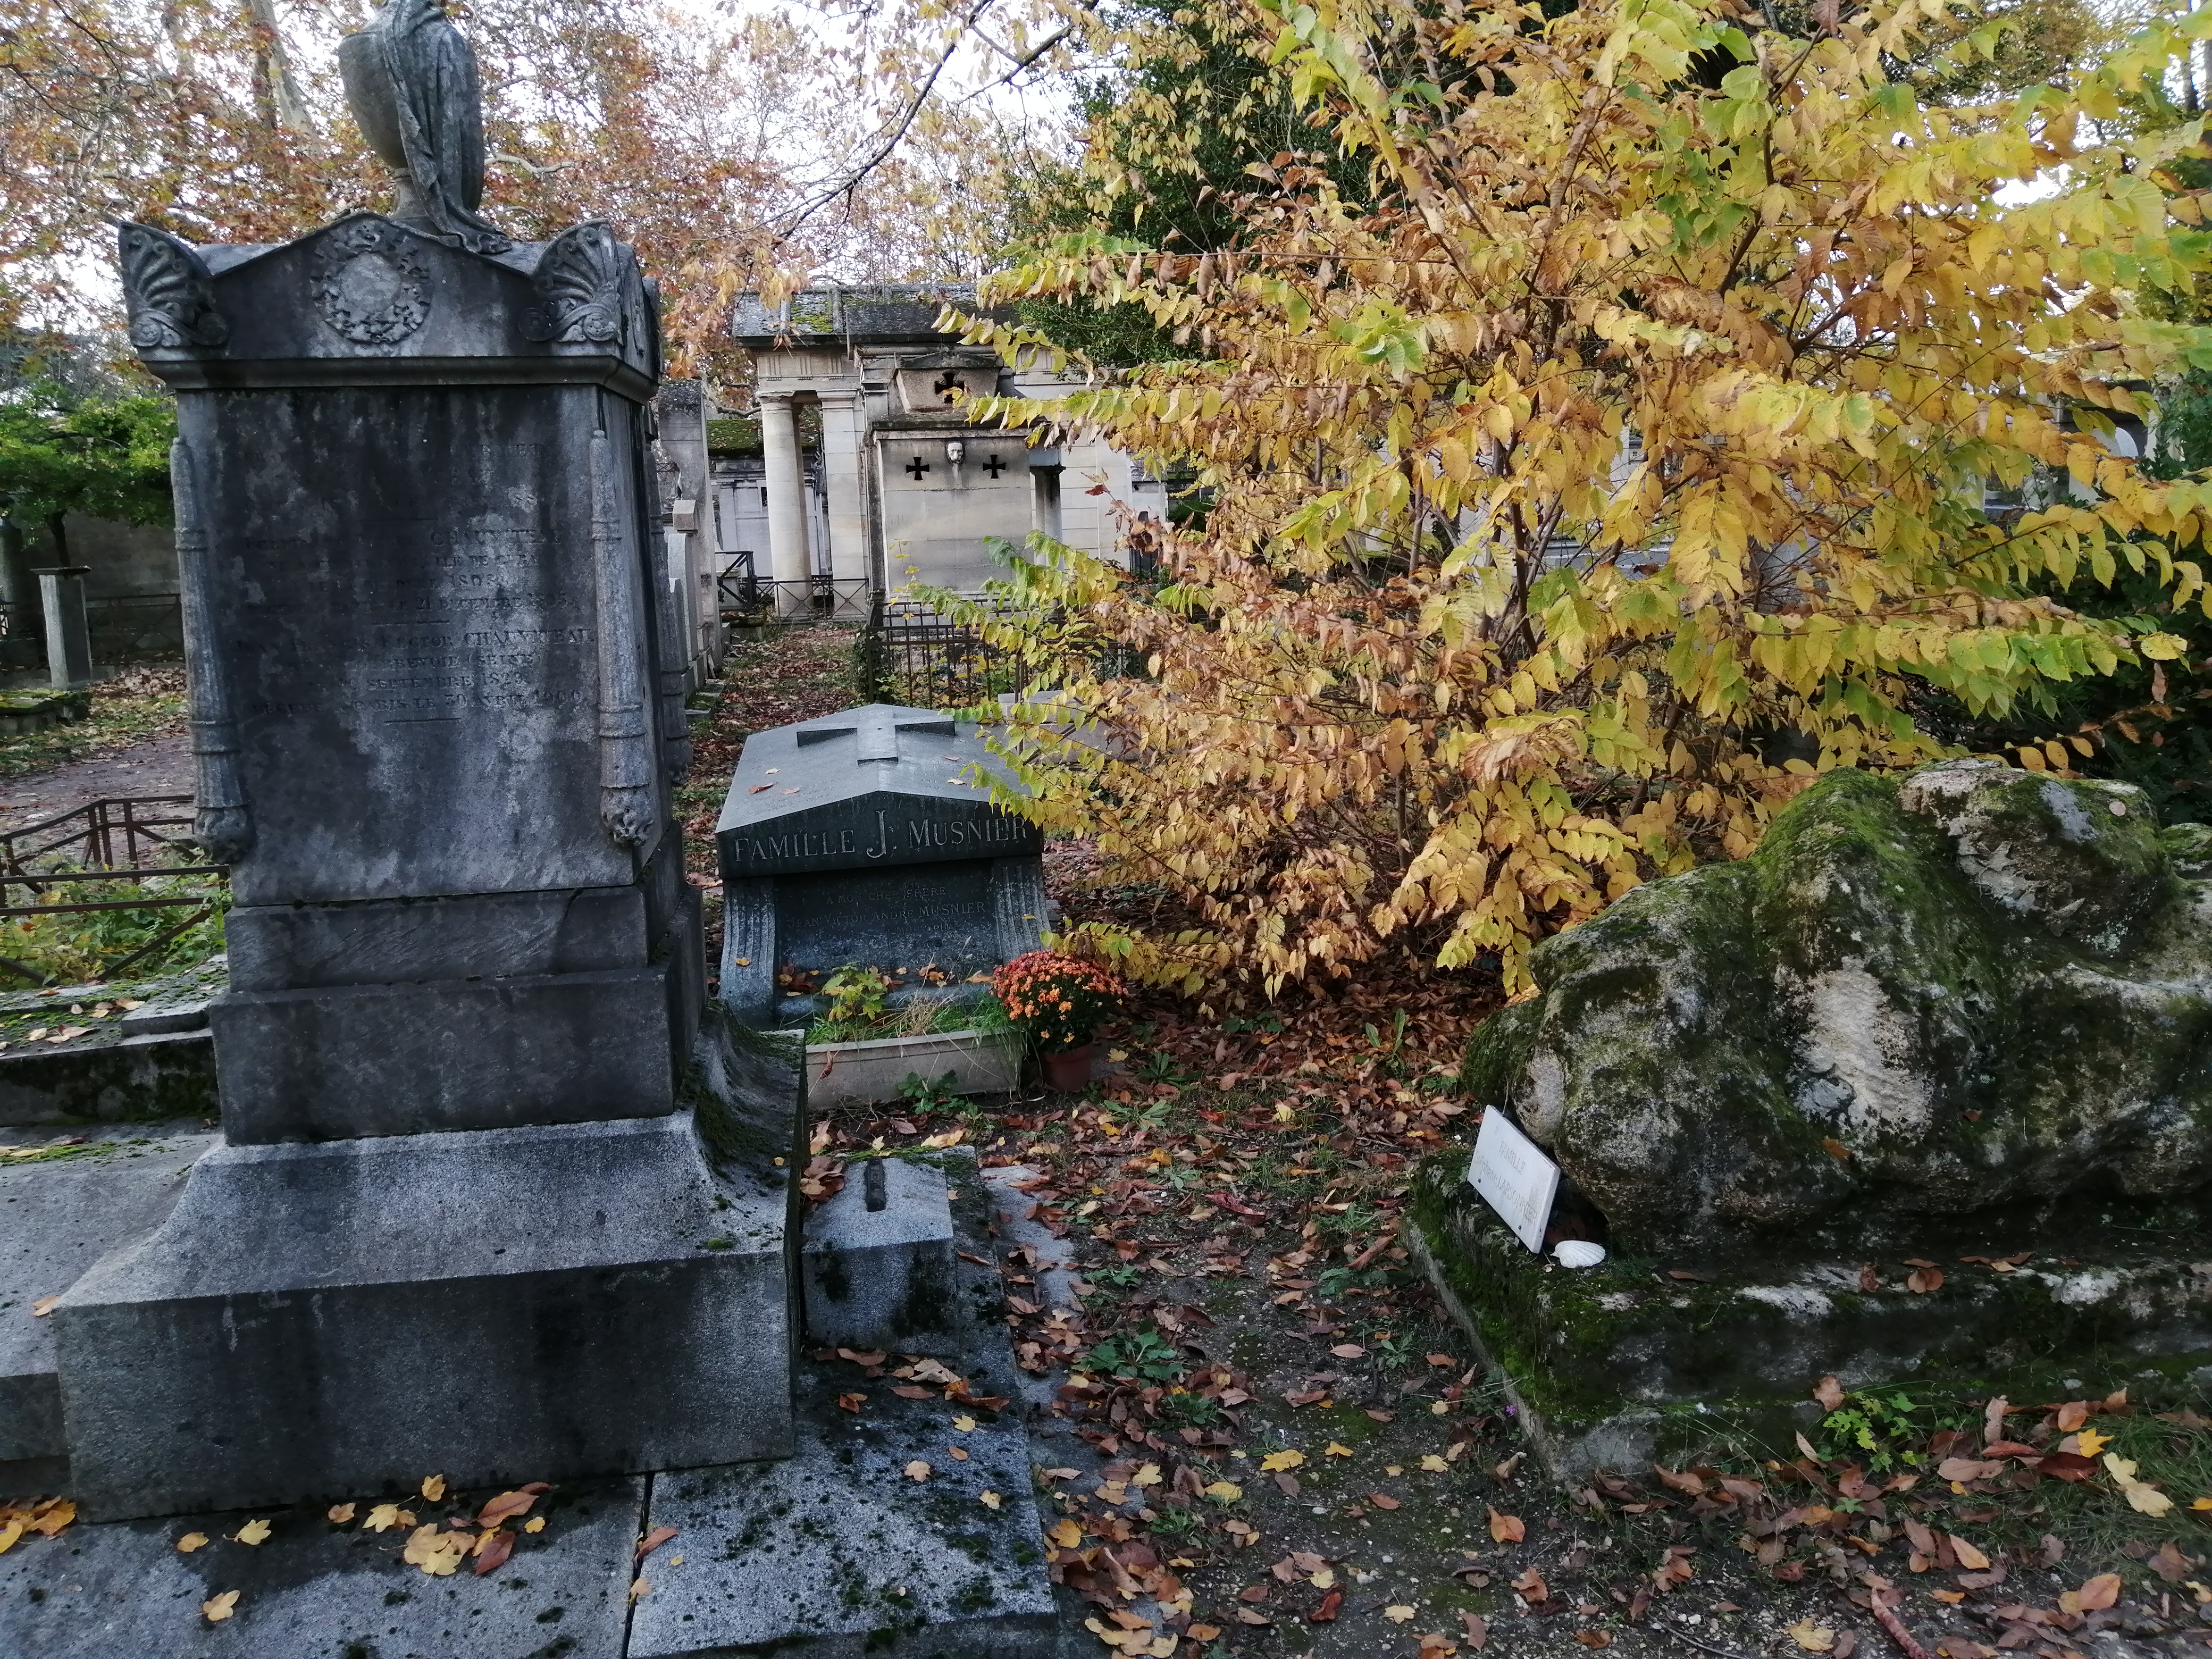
877	729
916	467
994	467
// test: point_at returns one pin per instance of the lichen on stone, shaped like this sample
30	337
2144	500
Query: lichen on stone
1968	987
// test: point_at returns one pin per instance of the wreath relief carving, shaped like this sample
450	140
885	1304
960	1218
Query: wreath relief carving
370	284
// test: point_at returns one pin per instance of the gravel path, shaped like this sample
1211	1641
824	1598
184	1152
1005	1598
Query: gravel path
163	766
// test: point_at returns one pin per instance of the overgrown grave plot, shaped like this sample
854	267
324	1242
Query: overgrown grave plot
1294	1451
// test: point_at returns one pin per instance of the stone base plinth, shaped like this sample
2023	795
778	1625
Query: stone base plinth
1638	1357
498	1305
347	1061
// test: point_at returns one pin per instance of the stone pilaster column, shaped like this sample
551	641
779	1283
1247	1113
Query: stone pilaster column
789	560
841	455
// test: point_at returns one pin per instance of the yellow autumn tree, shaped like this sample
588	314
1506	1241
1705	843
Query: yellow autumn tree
1615	462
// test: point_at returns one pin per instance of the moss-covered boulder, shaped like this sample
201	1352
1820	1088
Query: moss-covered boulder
1970	988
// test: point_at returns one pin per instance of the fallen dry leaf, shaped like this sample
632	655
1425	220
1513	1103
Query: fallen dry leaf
433	1487
653	1540
1829	1393
638	1587
1477	1628
2142	1498
1433	1464
253	1532
2090	1444
536	1523
2099	1593
190	1542
917	1470
384	1516
1399	1615
1327	1609
216	1608
1333	1450
1531	1588
492	1550
437	1552
506	1507
338	1514
1067	1535
1813	1638
1921	1280
1969	1557
989	1500
1282	1460
1506	1529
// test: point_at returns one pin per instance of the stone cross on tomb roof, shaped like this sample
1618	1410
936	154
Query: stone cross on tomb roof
877	728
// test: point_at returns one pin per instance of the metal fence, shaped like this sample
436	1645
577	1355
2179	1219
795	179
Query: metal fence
908	654
750	601
125	628
119	838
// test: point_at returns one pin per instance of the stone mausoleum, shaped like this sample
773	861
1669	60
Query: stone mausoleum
870	472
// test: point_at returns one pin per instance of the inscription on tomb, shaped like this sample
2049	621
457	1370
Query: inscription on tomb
904	834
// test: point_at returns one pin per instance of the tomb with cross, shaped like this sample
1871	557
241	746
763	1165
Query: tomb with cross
870	837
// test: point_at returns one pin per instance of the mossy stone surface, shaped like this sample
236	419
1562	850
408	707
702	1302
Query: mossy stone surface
1615	1364
1971	988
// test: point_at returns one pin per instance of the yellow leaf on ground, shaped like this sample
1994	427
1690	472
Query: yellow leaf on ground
638	1587
339	1514
1275	1461
216	1608
1434	1464
190	1542
1969	1557
43	1306
1321	1577
536	1523
253	1532
963	1424
1067	1535
384	1516
9	1535
1335	1450
917	1470
1813	1638
2142	1498
1225	1491
433	1487
1147	1476
437	1552
1398	1615
989	1500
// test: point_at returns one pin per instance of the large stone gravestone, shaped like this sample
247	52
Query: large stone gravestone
458	1222
866	837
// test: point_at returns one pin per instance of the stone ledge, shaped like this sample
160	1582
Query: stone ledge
1611	1365
545	1303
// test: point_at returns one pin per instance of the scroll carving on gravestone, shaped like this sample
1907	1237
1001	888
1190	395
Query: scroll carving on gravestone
166	292
221	824
370	285
579	290
624	732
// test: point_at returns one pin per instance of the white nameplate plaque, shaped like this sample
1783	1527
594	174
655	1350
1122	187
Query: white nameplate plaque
1511	1172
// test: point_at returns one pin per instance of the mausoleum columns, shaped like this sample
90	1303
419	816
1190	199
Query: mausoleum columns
788	558
841	478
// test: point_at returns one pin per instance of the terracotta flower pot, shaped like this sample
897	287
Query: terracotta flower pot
1069	1071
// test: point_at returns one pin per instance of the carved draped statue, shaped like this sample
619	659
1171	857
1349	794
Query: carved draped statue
410	78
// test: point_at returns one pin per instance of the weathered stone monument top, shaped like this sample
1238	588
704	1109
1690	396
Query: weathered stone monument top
869	837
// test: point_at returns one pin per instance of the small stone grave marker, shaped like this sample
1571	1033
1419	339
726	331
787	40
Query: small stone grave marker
866	837
1512	1173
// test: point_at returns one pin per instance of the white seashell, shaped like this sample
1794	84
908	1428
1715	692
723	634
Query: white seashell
1578	1253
